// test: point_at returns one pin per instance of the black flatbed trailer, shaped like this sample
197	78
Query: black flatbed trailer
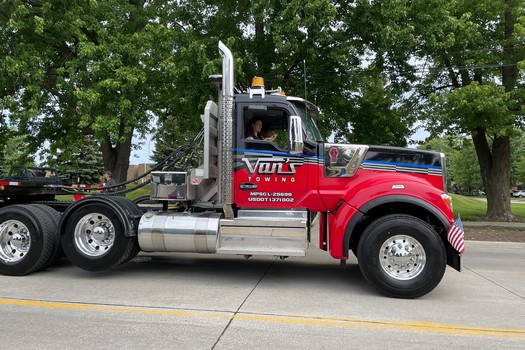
39	185
25	184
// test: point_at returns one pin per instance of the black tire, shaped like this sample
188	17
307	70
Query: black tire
27	239
402	256
133	250
94	239
54	216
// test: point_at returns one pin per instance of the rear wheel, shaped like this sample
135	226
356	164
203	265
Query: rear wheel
27	239
402	256
54	217
94	239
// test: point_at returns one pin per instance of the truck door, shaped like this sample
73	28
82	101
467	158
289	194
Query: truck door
266	175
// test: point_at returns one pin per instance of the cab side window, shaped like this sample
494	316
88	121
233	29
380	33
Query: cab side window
265	128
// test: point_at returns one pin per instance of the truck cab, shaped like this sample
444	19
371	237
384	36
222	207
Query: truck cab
279	174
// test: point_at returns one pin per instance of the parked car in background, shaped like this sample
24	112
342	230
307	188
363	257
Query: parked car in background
519	193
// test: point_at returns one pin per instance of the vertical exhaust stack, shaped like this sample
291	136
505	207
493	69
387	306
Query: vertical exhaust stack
226	163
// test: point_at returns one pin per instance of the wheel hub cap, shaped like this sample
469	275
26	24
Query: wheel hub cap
15	241
94	235
101	232
402	257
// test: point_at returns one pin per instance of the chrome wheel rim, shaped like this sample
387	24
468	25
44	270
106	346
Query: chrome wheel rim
15	241
402	257
94	235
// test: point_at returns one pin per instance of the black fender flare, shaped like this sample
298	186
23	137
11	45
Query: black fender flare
126	210
384	200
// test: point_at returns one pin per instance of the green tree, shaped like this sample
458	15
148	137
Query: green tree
106	68
79	163
309	51
373	112
16	151
479	64
464	169
517	161
462	58
101	68
519	166
6	135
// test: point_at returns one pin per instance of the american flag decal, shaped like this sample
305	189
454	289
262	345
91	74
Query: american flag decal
456	236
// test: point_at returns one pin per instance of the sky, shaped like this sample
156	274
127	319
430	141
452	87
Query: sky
142	155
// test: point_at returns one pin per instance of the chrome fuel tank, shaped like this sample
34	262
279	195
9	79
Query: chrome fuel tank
179	232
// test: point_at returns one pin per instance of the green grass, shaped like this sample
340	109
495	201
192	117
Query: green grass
475	208
143	191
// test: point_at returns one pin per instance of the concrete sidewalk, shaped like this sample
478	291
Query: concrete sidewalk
493	224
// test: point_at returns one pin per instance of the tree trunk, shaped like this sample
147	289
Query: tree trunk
495	164
116	159
495	174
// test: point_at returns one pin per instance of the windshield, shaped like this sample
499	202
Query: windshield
308	112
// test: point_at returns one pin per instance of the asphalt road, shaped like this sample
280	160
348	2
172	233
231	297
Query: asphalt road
188	301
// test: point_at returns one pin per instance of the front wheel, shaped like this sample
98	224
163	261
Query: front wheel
402	256
94	239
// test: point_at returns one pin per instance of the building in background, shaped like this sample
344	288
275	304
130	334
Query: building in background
137	170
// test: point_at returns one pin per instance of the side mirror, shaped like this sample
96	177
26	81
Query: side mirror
295	134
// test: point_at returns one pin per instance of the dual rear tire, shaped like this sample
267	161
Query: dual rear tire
28	239
95	236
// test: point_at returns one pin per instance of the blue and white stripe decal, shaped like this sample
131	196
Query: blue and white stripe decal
402	167
366	164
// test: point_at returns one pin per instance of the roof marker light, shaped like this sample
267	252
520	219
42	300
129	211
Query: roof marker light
257	87
257	82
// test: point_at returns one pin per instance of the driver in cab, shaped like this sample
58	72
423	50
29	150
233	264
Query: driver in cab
254	131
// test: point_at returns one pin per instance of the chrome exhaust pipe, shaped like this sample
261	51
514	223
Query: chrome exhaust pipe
226	163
